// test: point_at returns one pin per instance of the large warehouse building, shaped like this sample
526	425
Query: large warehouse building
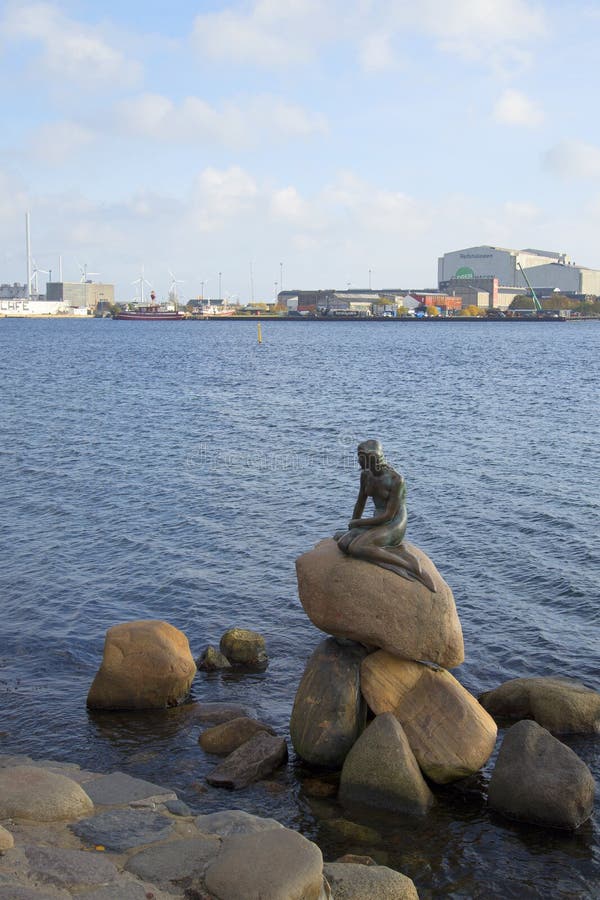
545	270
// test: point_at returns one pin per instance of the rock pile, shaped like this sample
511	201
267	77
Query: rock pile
393	641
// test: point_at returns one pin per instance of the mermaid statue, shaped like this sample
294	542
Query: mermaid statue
379	538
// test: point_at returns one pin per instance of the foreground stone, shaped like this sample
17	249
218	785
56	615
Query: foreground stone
255	759
122	829
381	770
6	839
164	864
349	881
28	792
562	705
329	713
449	732
69	868
354	599
234	821
212	660
270	865
120	788
228	736
244	648
146	665
538	779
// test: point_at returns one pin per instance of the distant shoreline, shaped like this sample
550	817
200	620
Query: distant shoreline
333	319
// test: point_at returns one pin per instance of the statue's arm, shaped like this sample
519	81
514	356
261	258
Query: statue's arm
359	506
393	507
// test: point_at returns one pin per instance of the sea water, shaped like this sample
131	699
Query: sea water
176	470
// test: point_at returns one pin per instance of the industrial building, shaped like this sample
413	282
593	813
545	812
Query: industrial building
80	294
497	272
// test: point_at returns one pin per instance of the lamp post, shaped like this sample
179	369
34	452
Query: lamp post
280	276
369	279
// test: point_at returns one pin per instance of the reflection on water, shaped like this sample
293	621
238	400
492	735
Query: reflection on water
151	472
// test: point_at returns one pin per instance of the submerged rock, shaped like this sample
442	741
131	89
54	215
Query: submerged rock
540	780
562	705
212	659
354	599
146	665
228	736
329	713
255	759
244	648
381	770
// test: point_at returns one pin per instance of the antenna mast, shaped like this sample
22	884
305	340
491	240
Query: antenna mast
28	248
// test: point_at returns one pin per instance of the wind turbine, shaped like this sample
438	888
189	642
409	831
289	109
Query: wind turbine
142	280
34	277
173	289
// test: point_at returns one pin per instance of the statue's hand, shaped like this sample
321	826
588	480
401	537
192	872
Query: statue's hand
354	523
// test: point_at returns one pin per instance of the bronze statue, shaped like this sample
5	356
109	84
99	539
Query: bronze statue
378	539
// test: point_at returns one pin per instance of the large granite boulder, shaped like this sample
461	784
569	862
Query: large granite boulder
449	732
279	864
329	712
146	665
562	705
352	881
29	792
381	770
354	599
538	779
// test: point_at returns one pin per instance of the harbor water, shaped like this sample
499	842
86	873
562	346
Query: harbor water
175	471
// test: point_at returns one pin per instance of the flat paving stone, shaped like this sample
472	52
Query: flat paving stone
119	788
125	890
69	868
234	821
18	892
122	829
176	860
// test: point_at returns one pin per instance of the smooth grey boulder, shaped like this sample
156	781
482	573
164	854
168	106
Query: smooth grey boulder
175	860
244	648
29	792
349	881
228	736
381	770
540	780
562	705
255	759
234	821
122	829
270	865
329	712
351	598
121	788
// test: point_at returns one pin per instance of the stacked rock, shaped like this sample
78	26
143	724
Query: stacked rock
394	640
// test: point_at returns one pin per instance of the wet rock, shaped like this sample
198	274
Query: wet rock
354	599
255	759
540	780
122	829
69	868
271	865
212	660
321	787
244	648
561	705
6	839
349	881
352	832
178	808
228	736
118	788
381	770
215	712
234	821
329	713
164	864
123	889
146	665
449	732
27	792
356	858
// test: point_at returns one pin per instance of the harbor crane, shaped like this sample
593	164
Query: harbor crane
538	306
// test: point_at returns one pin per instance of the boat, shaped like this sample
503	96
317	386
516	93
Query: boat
150	313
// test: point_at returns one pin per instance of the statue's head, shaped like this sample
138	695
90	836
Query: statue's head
370	455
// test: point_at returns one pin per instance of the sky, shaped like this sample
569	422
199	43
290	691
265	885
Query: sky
300	144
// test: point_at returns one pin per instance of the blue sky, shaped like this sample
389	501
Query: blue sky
333	137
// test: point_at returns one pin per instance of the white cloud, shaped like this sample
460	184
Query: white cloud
75	52
220	195
156	116
515	108
376	52
573	159
269	34
55	142
520	209
288	204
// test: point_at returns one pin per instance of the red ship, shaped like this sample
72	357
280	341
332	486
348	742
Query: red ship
152	313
